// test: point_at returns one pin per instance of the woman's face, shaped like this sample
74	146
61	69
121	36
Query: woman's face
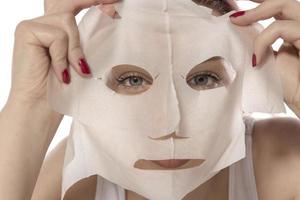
172	97
133	80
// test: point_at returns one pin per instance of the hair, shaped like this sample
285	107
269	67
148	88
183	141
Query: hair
222	6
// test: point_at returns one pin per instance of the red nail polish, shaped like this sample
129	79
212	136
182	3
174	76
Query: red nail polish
84	66
238	14
66	76
254	60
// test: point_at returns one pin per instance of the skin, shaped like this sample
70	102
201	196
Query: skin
276	141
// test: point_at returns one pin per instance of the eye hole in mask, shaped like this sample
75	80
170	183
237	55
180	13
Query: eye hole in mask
209	74
129	79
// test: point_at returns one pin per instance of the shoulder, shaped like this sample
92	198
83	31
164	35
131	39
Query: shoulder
276	156
279	134
48	185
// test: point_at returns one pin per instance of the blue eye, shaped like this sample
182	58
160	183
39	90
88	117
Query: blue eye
204	80
132	81
201	79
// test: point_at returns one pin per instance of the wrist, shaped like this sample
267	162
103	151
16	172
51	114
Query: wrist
27	128
36	113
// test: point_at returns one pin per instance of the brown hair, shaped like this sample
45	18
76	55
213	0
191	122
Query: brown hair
222	6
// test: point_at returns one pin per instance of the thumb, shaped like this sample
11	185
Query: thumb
80	5
109	9
73	6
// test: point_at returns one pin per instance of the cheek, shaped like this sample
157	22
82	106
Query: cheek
201	110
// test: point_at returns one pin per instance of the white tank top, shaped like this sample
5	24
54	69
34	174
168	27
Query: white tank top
242	185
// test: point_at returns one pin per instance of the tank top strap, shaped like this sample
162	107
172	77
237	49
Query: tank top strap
106	190
242	183
249	121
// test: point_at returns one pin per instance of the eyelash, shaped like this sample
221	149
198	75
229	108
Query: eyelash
129	75
210	74
216	80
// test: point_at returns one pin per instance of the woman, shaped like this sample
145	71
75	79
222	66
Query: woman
276	141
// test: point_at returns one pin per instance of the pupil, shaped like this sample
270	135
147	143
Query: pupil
201	80
135	81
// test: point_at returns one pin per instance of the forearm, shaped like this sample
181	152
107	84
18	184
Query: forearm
26	130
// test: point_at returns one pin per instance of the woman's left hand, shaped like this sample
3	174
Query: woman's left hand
287	27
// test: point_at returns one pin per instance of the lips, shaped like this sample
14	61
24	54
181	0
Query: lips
173	164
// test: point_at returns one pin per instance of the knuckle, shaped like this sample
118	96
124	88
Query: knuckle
74	52
275	27
22	26
59	61
61	35
58	56
258	41
68	18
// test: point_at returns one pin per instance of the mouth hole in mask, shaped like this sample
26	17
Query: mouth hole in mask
210	74
170	164
129	79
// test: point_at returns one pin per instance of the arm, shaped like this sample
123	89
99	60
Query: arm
276	158
48	184
295	109
27	123
26	132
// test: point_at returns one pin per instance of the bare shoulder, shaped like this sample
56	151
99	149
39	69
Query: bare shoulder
276	157
48	185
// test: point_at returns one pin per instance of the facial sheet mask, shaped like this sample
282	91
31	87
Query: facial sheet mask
117	135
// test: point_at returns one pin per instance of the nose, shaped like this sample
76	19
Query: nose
166	137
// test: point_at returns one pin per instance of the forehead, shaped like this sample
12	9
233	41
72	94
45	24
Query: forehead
158	42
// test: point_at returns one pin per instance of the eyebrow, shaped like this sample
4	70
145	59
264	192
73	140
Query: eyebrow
222	6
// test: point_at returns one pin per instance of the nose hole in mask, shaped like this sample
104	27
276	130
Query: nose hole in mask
166	137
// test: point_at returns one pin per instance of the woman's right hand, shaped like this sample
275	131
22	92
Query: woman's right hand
50	41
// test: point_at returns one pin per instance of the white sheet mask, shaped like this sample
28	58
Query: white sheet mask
116	135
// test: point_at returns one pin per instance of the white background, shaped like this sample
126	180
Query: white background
11	14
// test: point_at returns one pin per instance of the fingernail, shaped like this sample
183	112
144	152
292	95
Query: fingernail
238	14
254	60
66	76
84	66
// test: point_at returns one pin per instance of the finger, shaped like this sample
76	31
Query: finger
265	10
109	9
256	1
80	4
67	22
288	30
288	9
55	39
73	6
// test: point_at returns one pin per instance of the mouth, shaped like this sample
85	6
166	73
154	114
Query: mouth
173	164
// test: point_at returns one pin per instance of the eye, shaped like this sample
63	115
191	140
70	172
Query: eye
133	79
129	79
204	81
